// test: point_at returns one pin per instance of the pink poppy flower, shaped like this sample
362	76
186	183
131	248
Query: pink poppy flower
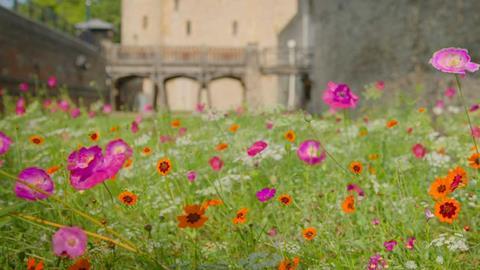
410	243
453	60
148	108
257	148
266	194
69	242
356	189
474	107
5	143
165	138
376	262
269	125
450	92
20	106
86	168
191	176
91	114
47	103
182	131
375	221
339	96
107	108
37	178
63	105
390	245
380	85
75	113
52	82
476	132
216	163
134	127
23	87
419	150
272	232
310	153
200	107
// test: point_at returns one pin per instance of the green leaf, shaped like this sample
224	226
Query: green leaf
13	208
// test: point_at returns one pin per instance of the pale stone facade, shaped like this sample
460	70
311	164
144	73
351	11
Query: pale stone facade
213	23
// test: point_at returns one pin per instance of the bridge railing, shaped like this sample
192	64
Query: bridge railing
286	57
193	55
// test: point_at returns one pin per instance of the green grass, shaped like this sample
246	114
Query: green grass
396	195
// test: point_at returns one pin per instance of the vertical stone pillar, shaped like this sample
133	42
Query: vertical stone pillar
252	75
160	96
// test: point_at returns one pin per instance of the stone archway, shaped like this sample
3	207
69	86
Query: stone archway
227	92
134	92
182	92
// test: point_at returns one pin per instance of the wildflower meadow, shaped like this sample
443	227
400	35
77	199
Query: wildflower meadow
358	187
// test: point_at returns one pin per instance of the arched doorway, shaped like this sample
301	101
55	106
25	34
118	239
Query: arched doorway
135	93
227	92
182	92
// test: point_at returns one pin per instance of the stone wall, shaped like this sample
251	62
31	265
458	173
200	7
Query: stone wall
359	42
31	52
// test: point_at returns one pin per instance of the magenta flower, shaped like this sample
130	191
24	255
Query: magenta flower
75	113
23	87
20	106
476	132
272	232
35	177
5	143
52	82
47	103
165	138
390	245
419	150
86	167
377	263
148	108
269	125
355	188
191	176
474	107
63	105
453	60
182	131
380	85
134	127
266	194
200	107
256	148
118	147
216	163
69	242
339	96
450	92
410	243
107	108
375	221
91	114
309	152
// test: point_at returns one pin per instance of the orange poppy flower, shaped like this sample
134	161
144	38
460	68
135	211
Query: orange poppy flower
233	128
440	188
81	264
373	156
193	217
287	264
392	123
114	129
356	167
128	163
474	161
447	210
421	110
36	139
146	151
33	265
285	199
164	166
128	198
175	123
348	205
221	146
309	233
94	136
53	169
290	136
362	132
241	216
372	170
212	202
457	178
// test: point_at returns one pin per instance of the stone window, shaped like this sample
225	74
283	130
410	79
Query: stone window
188	28
145	22
176	5
234	28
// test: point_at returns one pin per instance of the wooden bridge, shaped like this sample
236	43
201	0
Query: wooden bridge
202	64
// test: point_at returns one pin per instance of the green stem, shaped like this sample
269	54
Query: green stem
462	99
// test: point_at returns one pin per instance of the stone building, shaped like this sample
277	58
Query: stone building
212	24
